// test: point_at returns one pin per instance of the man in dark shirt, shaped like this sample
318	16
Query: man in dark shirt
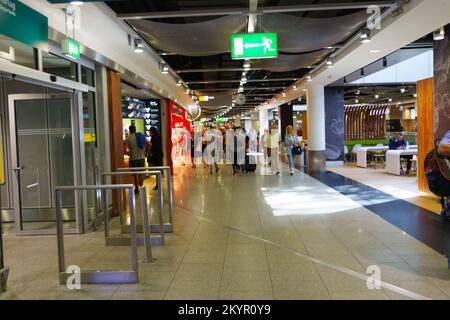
155	155
398	143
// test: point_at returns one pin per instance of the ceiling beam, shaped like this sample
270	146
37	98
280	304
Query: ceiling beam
238	80
214	70
259	11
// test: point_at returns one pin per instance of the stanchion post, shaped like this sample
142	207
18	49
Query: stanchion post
146	226
161	205
169	187
60	232
105	213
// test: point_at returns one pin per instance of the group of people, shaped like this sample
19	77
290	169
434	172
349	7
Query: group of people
151	150
271	142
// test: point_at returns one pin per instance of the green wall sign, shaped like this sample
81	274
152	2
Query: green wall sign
254	46
71	48
23	24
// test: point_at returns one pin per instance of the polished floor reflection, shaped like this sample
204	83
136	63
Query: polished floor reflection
251	236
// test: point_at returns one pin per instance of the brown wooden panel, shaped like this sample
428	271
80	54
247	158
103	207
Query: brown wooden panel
115	127
425	126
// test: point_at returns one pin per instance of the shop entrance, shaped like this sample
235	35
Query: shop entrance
42	157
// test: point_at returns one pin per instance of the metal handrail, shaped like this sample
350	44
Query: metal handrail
97	277
158	175
169	183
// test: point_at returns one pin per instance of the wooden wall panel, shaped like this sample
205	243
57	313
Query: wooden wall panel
115	127
425	126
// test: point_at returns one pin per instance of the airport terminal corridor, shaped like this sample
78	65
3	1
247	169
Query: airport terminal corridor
246	236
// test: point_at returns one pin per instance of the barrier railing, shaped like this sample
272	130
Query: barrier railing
4	271
98	277
168	227
121	241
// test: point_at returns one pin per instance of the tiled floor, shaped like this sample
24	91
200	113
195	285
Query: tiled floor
251	236
403	187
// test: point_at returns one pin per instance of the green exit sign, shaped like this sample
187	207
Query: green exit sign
254	46
71	48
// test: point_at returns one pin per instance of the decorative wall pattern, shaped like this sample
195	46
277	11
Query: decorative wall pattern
365	122
334	123
442	85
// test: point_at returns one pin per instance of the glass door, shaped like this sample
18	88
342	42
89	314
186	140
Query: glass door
42	157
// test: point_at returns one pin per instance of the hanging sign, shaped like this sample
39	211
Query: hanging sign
254	46
71	48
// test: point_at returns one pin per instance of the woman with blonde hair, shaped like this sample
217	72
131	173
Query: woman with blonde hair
292	147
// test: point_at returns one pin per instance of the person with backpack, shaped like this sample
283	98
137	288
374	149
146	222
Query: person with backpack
136	144
155	154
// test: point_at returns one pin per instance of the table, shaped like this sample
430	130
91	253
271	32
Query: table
361	154
393	159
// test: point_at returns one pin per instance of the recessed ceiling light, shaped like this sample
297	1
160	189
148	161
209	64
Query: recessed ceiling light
375	50
77	3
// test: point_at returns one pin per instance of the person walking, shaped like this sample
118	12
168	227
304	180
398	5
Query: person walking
274	142
264	147
292	147
155	155
136	152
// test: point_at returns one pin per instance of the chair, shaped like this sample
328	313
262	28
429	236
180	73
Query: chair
379	158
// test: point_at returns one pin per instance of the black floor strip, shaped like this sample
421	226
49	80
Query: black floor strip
422	224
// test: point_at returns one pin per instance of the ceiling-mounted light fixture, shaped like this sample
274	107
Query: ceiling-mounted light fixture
309	78
358	92
284	94
377	96
439	35
356	101
330	63
188	90
294	87
415	95
77	3
365	36
246	65
179	82
390	100
138	46
403	90
385	62
163	67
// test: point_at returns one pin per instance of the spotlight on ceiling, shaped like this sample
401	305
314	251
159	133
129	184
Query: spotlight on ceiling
309	78
138	46
403	90
356	101
330	63
179	82
439	35
365	36
77	3
188	90
164	68
295	87
390	100
377	96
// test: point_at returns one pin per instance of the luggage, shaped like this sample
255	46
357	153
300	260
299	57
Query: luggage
250	164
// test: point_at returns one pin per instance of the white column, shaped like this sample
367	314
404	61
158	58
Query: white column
316	117
263	121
